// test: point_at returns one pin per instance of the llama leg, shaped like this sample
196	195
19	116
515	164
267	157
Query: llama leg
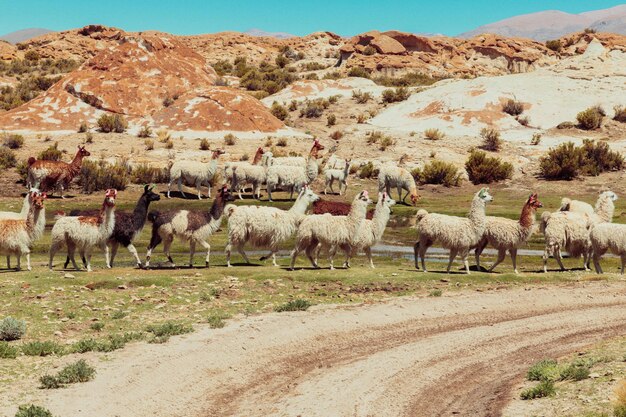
8	261
107	255
227	251
71	248
546	254
243	253
557	255
501	256
27	252
54	248
514	259
198	185
208	189
400	194
368	252
453	253
274	258
478	251
423	246
19	261
310	253
131	248
326	187
269	192
587	260
166	249
596	261
206	246
154	242
331	254
180	186
114	246
465	261
622	258
169	187
348	251
416	248
192	250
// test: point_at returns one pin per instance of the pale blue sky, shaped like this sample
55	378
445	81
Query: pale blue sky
298	17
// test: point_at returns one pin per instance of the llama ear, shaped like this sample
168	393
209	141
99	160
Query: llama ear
146	188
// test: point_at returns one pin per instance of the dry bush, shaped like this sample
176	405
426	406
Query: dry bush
536	139
147	174
513	107
368	171
369	50
145	132
169	144
12	140
410	79
620	114
554	45
312	109
331	120
566	125
293	105
434	134
163	135
336	135
52	153
112	123
491	139
386	142
360	97
524	120
279	111
619	409
149	144
358	72
205	145
361	118
96	176
83	127
438	172
397	95
483	169
230	139
591	118
282	142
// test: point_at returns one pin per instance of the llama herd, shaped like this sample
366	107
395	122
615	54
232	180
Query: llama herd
578	228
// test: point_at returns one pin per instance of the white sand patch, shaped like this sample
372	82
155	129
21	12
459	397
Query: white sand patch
192	103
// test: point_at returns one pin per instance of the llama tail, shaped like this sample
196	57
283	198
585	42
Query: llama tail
421	213
565	202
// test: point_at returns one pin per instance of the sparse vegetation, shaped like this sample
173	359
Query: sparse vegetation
162	332
591	118
205	145
282	142
52	153
434	134
566	125
169	144
358	72
513	107
45	348
74	373
7	158
145	132
148	174
89	137
568	161
491	139
435	293
101	175
83	127
361	118
230	139
216	321
396	95
149	144
368	171
331	120
8	351
312	109
483	169
12	140
360	97
27	89
619	407
108	123
523	120
279	111
620	114
97	326
536	139
410	79
336	135
298	304
32	411
11	329
438	172
554	45
369	50
543	389
386	142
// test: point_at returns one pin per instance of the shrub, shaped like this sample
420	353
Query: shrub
32	411
438	172
282	142
148	174
358	72
84	345
169	144
567	161
22	170
7	158
619	409
222	67
590	30
434	134
591	118
12	329
89	137
279	111
96	176
536	139
374	136
435	293
368	171
163	136
281	61
334	75
483	169
407	80
543	389
168	101
393	96
32	55
513	107
205	145
386	142
112	123
7	351
491	139
52	153
76	372
12	141
565	125
97	326
313	66
361	118
554	45
293	105
334	98
294	305
230	139
524	121
145	132
312	109
216	321
620	114
221	82
83	127
575	373
336	135
149	144
42	348
544	370
361	97
369	50
167	329
331	120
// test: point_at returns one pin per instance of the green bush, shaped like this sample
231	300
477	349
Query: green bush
554	45
52	153
12	329
149	144
108	123
491	139
162	332
536	139
591	118
544	370
12	141
294	305
334	75
386	142
96	176
513	107
410	79
368	171
32	411
97	326
360	97
7	158
7	351
568	161
483	169
574	373
216	321
619	410
312	110
222	67
281	61
438	172
358	72
279	111
42	348
543	389
393	96
76	372
313	66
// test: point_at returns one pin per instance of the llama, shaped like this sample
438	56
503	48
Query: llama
258	160
372	230
252	174
265	226
193	172
506	234
127	225
458	234
10	215
336	208
85	232
330	231
575	205
18	235
49	176
393	176
189	225
299	161
340	175
291	177
569	230
607	236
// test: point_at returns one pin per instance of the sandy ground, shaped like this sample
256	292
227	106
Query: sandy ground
458	354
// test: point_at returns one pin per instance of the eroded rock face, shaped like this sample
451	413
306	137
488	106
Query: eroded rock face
7	51
139	78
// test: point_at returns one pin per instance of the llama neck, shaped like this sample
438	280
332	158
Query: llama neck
35	222
312	170
314	153
25	206
140	212
106	218
380	220
527	218
257	158
346	170
217	208
357	215
604	209
300	205
477	212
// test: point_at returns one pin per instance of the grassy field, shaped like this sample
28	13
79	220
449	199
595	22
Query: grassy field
68	306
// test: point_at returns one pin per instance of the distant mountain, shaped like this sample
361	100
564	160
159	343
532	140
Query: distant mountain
259	32
552	24
24	35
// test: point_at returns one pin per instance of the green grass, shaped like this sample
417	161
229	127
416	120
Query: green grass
543	389
8	351
435	293
42	348
163	331
32	410
294	305
216	321
79	371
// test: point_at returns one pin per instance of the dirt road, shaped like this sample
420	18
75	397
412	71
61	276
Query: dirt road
459	354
